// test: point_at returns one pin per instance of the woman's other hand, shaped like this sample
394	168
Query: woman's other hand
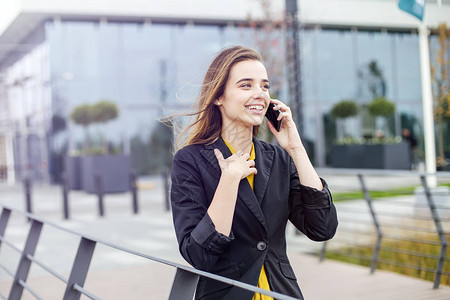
237	165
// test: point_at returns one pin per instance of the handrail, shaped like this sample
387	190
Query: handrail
426	211
381	172
82	261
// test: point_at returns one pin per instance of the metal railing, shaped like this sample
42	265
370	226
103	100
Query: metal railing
381	224
183	286
99	192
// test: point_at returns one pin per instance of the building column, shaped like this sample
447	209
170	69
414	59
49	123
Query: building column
11	171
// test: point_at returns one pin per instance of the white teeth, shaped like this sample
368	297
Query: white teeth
255	107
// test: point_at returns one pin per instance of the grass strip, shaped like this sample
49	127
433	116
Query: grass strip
362	255
404	191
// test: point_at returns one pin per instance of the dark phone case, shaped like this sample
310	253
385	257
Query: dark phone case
272	116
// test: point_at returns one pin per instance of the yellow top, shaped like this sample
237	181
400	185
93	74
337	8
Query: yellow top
262	281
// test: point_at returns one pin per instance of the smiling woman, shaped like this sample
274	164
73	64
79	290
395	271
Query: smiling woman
232	194
244	102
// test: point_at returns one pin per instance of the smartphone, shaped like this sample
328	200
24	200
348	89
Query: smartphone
272	116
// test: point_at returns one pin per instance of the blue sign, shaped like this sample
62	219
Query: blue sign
413	7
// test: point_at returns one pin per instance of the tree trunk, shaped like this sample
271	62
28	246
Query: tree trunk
86	140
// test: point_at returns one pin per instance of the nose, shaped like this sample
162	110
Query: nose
259	94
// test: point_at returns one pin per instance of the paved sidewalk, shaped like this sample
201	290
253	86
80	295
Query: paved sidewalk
318	281
115	275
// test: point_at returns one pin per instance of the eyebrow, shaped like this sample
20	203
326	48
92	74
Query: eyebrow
251	79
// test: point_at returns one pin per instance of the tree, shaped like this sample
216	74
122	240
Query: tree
87	114
441	99
82	115
381	107
343	110
103	112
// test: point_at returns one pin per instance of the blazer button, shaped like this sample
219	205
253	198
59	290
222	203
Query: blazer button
261	246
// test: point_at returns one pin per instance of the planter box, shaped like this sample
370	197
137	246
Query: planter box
114	169
368	156
72	169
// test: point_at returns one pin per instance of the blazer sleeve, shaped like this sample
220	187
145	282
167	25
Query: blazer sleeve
199	242
311	211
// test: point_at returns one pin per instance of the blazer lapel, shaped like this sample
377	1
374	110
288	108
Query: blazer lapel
263	163
245	192
208	153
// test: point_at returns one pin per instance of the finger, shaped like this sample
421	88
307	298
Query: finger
253	171
282	107
277	107
272	128
276	102
281	115
218	154
251	163
246	156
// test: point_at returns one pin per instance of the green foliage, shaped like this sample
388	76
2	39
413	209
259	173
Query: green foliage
374	194
344	109
362	255
82	115
358	195
100	112
104	111
87	114
381	107
371	141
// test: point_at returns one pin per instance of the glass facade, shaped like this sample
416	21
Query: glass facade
149	71
25	131
152	70
339	65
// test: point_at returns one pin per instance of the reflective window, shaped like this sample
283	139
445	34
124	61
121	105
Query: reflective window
153	70
328	65
407	58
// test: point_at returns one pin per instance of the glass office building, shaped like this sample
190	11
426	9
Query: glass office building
153	70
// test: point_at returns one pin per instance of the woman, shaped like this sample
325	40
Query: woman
232	194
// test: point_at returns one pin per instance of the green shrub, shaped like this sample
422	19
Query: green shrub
344	109
381	107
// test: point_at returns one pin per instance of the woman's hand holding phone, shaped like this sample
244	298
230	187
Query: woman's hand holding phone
286	134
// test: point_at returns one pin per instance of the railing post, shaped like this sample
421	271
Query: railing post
323	252
440	231
4	221
80	268
25	263
376	250
166	175
27	186
65	192
100	192
184	285
134	190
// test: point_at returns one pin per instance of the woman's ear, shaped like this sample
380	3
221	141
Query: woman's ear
218	102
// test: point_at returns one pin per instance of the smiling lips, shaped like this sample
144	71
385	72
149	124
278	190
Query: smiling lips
255	108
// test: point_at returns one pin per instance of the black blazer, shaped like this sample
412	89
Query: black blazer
258	231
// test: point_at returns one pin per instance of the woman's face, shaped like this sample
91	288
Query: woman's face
246	96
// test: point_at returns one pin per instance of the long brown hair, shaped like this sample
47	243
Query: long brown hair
208	124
